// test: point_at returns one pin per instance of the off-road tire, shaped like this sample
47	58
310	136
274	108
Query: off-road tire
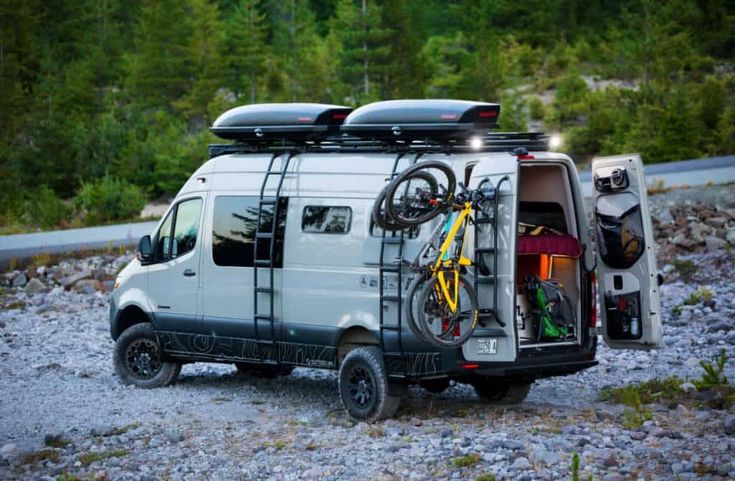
262	370
137	347
364	386
505	393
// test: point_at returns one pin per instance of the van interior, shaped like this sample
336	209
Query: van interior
548	248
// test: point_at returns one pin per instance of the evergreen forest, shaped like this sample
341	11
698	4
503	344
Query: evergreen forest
105	104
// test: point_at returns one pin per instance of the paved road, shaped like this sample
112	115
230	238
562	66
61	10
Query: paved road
690	172
23	246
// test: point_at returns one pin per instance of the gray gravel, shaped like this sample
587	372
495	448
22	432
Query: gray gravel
57	385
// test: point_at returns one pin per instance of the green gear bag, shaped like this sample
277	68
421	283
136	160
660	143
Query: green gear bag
553	308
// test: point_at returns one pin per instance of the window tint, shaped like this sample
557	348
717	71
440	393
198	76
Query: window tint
185	219
326	219
233	236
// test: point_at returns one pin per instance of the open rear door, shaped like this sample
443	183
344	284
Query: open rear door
626	262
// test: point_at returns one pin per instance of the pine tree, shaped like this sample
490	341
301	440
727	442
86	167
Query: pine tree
246	50
405	72
364	49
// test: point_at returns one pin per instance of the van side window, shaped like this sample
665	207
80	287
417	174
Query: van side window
178	233
319	219
233	233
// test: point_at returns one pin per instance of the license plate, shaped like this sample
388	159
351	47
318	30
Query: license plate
487	346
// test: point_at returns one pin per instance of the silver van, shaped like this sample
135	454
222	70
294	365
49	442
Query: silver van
270	257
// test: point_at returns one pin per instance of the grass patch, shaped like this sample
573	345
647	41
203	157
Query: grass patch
46	454
375	431
125	429
485	477
703	294
88	458
684	268
646	392
57	442
465	461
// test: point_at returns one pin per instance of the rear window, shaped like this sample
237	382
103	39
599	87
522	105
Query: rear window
321	219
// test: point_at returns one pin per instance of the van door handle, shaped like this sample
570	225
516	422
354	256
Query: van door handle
189	273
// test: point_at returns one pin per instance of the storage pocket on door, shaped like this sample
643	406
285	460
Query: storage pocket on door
623	316
619	229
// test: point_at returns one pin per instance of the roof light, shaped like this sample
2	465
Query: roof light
555	141
476	143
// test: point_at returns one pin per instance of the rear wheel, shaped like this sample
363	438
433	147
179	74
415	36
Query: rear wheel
364	386
442	326
416	196
139	361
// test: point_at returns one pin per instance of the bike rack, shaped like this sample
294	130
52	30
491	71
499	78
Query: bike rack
492	277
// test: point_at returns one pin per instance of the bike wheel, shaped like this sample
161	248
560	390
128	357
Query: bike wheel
443	327
412	305
416	196
380	216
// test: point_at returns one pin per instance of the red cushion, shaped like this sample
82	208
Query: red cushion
561	245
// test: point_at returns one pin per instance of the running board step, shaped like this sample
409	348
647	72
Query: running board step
392	240
485	250
392	298
489	332
486	280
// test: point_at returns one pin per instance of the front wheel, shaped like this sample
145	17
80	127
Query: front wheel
139	361
364	386
444	325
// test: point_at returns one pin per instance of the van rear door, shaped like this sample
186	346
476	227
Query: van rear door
495	341
626	262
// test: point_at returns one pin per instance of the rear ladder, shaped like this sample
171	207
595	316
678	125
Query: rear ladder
269	239
490	276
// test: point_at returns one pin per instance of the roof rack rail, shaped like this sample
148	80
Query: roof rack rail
488	142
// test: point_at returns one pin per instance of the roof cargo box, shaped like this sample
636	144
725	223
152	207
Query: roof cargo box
286	121
421	119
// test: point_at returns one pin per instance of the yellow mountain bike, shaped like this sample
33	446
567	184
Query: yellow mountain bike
441	304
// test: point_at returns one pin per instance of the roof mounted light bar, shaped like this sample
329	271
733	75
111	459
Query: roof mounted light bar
280	122
422	119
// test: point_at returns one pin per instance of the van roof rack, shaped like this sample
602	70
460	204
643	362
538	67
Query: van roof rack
488	142
282	122
419	119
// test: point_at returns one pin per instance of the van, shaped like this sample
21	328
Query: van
270	258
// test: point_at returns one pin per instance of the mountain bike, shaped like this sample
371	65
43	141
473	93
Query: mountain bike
441	302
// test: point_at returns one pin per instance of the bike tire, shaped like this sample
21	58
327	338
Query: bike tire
414	289
380	215
428	301
412	216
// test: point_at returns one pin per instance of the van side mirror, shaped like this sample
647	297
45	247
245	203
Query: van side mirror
145	250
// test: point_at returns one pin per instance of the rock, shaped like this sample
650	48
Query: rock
9	454
102	430
614	477
682	410
545	457
315	472
521	463
683	241
34	286
717	221
19	279
512	444
687	387
714	243
416	422
69	281
730	424
88	286
719	325
692	362
637	435
174	437
730	236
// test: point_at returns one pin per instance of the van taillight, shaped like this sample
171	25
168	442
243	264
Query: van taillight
593	300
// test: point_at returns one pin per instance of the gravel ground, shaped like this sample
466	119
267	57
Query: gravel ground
57	387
